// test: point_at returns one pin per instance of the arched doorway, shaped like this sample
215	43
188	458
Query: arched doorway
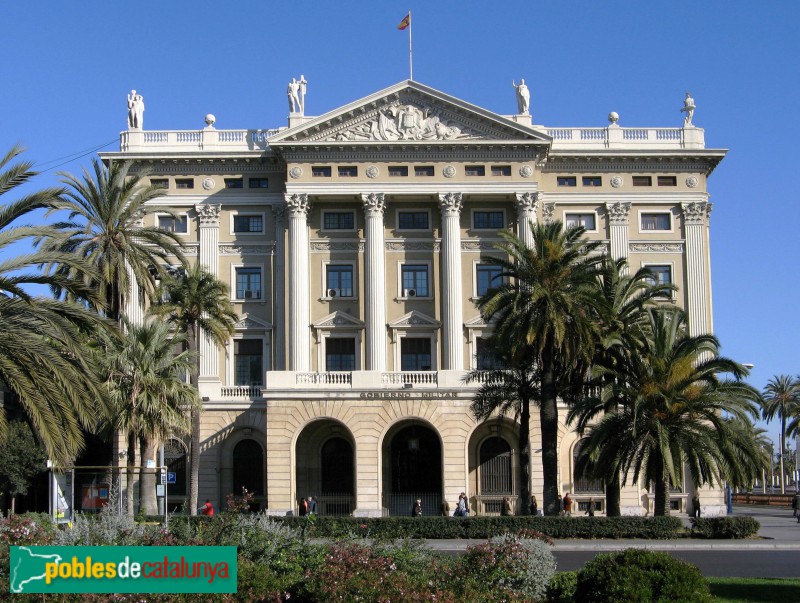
248	470
494	467
412	469
325	467
175	455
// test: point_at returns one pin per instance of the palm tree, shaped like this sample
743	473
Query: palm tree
622	318
506	391
545	312
104	226
677	412
197	303
781	398
43	355
146	381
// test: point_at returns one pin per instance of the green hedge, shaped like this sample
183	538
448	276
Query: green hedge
653	528
724	527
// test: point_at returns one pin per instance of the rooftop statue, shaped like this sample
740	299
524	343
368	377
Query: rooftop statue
296	93
523	97
688	108
135	111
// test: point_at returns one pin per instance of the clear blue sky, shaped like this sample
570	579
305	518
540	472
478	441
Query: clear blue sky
69	65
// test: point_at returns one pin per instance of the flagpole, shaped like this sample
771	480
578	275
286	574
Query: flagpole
410	61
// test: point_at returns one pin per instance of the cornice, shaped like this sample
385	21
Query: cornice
485	150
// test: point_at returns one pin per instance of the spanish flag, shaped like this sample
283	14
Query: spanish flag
405	22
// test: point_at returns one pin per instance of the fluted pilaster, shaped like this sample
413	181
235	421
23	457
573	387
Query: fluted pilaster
279	283
698	283
618	220
208	214
297	208
375	281
452	314
526	215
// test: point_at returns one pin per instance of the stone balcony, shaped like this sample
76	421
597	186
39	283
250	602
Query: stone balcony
617	138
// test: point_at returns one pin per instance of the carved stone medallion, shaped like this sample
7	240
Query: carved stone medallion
616	181
208	184
449	171
296	172
692	182
526	171
373	171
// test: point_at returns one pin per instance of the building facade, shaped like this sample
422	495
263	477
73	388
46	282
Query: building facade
355	245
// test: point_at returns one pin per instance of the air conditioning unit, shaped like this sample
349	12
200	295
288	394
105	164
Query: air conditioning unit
333	292
409	292
252	294
248	294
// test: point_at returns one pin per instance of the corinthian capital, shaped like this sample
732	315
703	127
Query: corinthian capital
208	214
450	203
297	204
695	212
527	202
618	213
374	203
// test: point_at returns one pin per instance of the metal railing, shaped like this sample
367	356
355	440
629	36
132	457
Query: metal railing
492	504
400	504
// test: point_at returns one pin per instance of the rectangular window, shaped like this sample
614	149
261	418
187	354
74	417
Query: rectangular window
592	181
415	280
248	223
339	280
398	170
234	183
655	221
184	182
413	220
567	181
667	181
321	171
350	171
338	220
485	220
258	183
423	170
487	276
415	354
159	182
248	360
585	220
248	283
475	170
178	224
486	358
662	275
501	170
340	354
642	181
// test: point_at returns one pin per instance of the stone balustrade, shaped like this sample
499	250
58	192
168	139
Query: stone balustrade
615	137
208	139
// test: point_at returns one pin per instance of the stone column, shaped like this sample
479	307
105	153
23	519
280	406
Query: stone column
375	281
617	213
297	208
452	319
526	215
279	285
208	214
698	284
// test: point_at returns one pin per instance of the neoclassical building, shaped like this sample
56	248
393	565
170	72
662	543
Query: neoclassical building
355	245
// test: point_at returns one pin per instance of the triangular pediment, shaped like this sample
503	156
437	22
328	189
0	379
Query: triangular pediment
408	112
339	320
416	320
476	323
251	323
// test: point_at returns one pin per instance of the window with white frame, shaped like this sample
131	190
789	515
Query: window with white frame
248	223
414	280
655	221
248	283
488	220
248	362
487	276
340	354
339	280
338	220
661	275
178	224
486	357
413	220
587	220
415	354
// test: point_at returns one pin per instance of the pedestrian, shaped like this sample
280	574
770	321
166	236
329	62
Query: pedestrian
207	509
696	505
534	507
560	505
462	509
312	505
567	505
796	506
416	508
590	507
506	510
444	509
303	507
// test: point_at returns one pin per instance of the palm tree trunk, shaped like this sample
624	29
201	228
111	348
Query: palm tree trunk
548	414
147	479
525	455
194	450
783	447
613	496
130	473
661	505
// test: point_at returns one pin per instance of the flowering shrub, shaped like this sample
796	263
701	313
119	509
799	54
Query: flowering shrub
31	528
239	504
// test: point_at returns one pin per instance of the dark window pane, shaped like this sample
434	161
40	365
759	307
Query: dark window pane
487	277
415	278
340	354
415	354
488	219
413	220
333	220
